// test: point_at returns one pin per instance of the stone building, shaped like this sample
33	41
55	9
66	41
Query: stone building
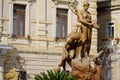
33	32
108	19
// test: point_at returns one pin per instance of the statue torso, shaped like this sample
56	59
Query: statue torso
85	15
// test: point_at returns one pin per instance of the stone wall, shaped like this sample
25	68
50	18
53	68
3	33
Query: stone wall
31	62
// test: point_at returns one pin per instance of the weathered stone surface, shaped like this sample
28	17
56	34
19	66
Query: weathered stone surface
82	69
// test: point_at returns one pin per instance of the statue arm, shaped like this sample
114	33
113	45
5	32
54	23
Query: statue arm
73	9
83	21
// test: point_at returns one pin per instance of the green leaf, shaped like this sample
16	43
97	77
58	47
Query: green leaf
50	75
38	77
45	76
62	74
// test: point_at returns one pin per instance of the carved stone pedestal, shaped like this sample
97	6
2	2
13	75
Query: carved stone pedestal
82	69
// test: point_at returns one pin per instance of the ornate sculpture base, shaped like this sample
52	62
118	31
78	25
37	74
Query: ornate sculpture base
83	70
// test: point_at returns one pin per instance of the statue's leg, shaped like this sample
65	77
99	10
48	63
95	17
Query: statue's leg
71	56
64	58
81	48
78	52
89	41
63	64
84	50
88	48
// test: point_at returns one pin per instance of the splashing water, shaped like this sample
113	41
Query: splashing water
109	54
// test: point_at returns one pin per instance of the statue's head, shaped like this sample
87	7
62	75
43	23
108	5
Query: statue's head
86	5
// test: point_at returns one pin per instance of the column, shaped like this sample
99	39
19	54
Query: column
40	25
53	19
36	18
10	17
1	15
28	18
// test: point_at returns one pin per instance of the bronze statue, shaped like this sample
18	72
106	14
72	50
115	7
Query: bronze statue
80	39
76	49
69	49
84	17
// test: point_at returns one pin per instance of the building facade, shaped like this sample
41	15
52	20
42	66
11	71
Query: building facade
108	20
37	31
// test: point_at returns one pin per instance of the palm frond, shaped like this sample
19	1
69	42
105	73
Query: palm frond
51	75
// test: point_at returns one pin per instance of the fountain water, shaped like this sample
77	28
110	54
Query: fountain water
110	60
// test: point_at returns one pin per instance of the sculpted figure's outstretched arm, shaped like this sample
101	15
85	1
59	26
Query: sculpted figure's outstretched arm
83	21
80	18
74	9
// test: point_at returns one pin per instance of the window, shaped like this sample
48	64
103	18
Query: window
19	20
110	29
61	27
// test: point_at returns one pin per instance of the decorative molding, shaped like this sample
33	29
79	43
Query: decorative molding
41	21
20	0
45	21
6	19
67	1
64	0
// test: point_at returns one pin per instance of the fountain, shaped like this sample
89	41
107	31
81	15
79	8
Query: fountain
76	51
110	59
